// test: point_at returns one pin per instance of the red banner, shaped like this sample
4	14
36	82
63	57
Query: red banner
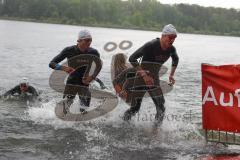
221	97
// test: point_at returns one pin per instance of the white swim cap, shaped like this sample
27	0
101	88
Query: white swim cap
169	29
24	80
84	34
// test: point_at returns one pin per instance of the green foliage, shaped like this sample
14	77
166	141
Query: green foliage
140	14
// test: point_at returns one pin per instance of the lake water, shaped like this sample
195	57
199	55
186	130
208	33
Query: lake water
34	132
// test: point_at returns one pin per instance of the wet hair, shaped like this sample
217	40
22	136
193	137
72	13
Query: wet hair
119	63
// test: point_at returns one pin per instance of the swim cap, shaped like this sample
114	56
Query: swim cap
24	80
84	34
169	29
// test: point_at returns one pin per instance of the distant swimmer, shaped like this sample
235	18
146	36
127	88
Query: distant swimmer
80	58
22	90
153	55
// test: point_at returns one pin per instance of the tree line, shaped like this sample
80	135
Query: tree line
131	14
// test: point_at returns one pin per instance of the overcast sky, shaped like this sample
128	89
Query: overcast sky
213	3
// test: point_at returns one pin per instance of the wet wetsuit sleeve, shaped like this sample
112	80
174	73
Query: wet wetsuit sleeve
33	91
175	57
139	53
12	91
58	59
100	82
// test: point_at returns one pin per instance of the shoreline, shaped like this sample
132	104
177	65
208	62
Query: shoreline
51	21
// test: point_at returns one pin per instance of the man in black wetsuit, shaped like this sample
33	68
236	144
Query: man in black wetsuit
79	58
153	55
23	89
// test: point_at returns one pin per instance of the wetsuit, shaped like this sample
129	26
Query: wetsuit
81	62
16	90
153	57
100	83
